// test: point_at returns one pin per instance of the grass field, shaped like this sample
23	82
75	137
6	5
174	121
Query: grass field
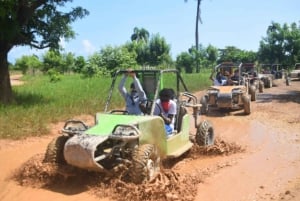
40	102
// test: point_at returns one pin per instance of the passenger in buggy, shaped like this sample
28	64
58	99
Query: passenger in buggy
165	107
219	80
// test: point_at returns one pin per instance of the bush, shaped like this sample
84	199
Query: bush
54	75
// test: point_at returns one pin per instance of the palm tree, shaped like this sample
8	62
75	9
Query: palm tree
198	19
140	35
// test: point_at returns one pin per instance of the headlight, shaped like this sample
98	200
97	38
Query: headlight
236	91
235	95
212	96
125	130
212	91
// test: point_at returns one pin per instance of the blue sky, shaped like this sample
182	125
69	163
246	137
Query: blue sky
239	23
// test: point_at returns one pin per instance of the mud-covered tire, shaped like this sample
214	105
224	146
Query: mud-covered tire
252	92
205	134
246	103
145	164
261	86
55	150
269	83
288	81
204	105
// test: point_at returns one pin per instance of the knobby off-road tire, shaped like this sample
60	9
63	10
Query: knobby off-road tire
252	92
55	150
204	107
205	134
145	164
288	81
269	83
246	102
261	86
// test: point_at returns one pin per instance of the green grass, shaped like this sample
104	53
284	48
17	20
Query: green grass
40	102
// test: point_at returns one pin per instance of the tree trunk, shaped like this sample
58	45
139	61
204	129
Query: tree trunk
197	35
6	95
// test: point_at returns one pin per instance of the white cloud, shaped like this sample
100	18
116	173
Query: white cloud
88	47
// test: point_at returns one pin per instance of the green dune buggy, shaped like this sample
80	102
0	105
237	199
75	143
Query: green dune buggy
138	142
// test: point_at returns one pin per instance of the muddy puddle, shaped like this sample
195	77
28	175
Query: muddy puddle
168	185
175	182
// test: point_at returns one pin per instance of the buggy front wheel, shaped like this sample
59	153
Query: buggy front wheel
246	102
55	150
145	163
261	86
205	134
204	105
252	92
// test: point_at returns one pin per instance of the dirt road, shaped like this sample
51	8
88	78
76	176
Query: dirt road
15	80
256	157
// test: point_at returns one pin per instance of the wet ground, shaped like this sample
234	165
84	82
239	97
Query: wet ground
256	157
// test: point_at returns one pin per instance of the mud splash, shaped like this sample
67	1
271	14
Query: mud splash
168	185
220	147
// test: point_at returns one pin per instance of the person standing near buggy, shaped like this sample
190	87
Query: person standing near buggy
166	108
135	99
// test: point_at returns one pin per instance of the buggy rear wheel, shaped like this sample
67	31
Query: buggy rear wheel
204	105
269	83
205	134
55	150
288	81
246	103
261	86
145	163
252	92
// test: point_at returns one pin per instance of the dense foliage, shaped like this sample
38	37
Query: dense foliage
281	45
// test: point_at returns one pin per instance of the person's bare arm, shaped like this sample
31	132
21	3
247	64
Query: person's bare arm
122	88
167	119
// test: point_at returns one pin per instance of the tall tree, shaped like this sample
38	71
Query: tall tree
207	55
212	54
234	54
111	58
185	60
139	45
26	63
38	24
140	35
159	51
198	19
281	45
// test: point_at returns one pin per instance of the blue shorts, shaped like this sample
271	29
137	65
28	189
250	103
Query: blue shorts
169	129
